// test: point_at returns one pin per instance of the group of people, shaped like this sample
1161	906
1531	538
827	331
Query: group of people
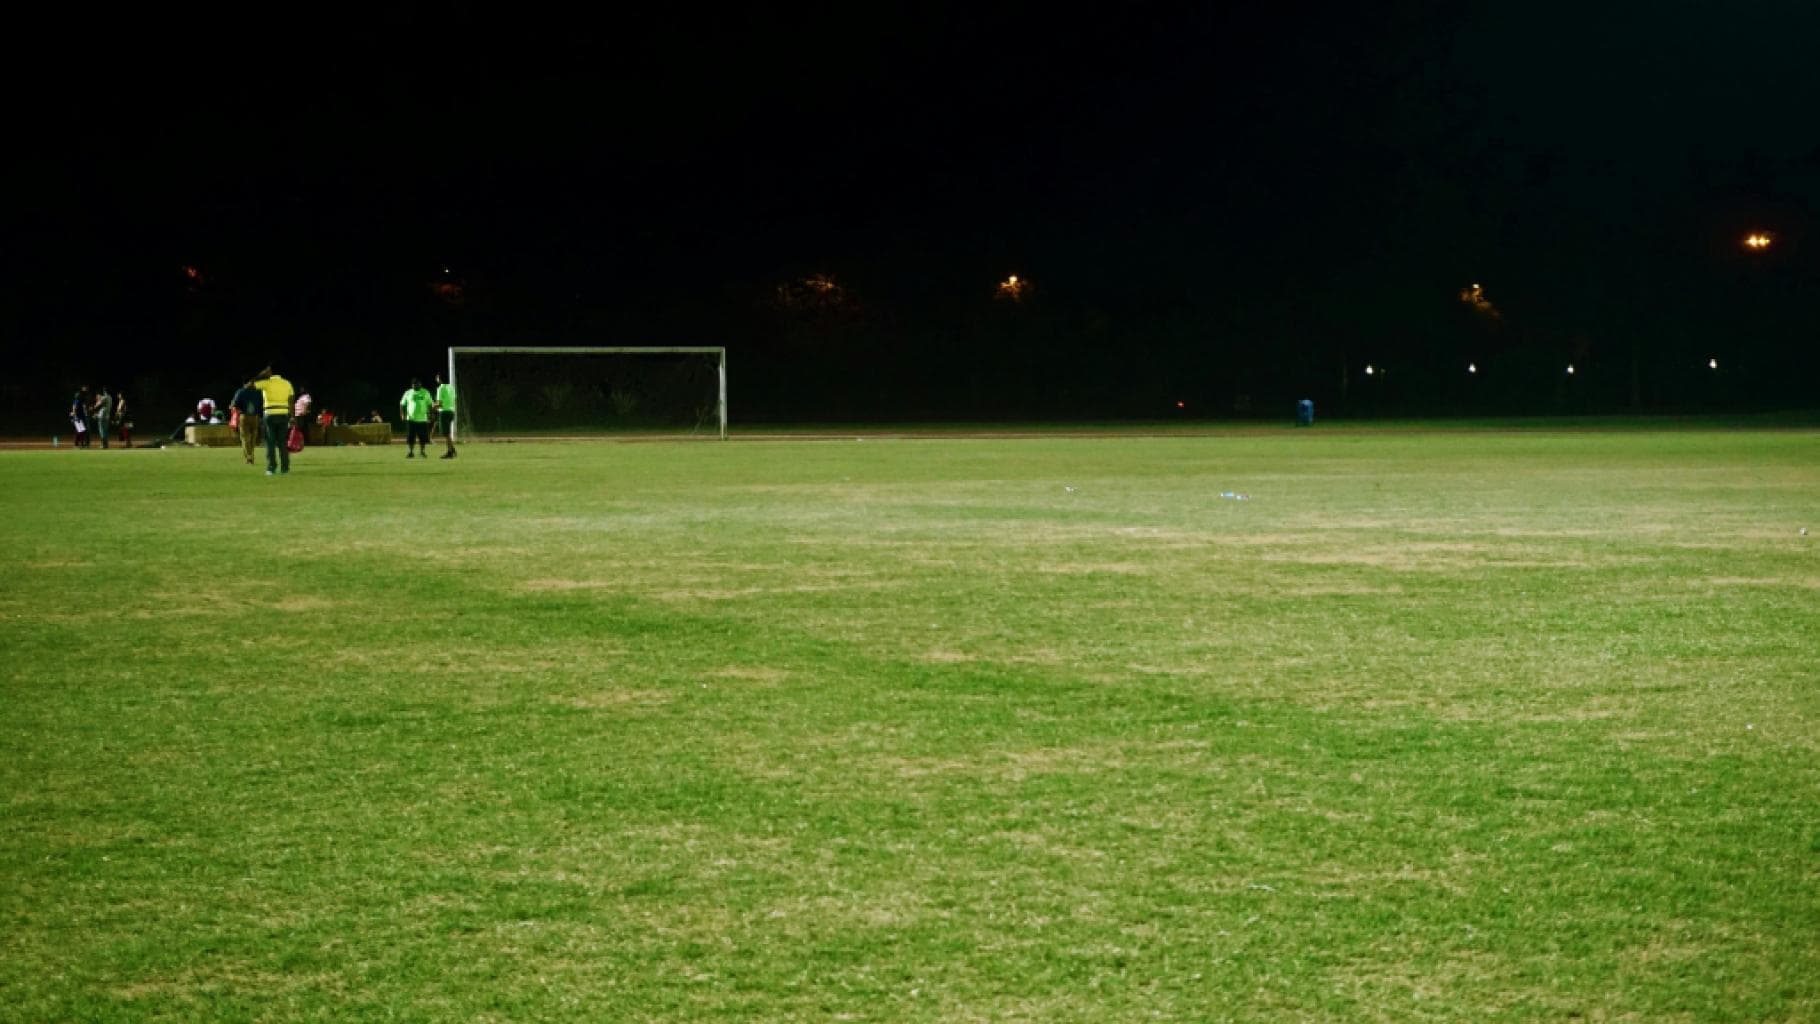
416	407
100	415
262	408
265	407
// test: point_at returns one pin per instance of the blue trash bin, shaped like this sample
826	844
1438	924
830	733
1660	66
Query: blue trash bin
1304	413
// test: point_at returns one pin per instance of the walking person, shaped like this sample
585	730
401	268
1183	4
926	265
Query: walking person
249	410
275	394
445	413
101	412
414	409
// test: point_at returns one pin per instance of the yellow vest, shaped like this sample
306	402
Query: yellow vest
278	394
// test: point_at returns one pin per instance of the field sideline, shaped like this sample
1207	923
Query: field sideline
1443	724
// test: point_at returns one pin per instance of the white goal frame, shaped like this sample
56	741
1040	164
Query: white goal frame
718	351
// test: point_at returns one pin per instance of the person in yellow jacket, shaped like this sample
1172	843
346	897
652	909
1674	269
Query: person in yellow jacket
278	394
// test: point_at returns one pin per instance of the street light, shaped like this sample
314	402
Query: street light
1757	241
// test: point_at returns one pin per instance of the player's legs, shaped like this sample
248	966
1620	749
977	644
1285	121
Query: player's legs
275	428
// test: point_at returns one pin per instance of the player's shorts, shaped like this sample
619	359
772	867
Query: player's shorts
447	419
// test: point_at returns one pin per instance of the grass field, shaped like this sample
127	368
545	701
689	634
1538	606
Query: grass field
1436	726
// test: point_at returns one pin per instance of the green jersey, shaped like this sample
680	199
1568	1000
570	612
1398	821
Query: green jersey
445	397
416	405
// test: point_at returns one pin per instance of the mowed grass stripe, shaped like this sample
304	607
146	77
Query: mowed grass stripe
1455	727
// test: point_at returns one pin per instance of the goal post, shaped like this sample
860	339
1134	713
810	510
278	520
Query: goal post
552	382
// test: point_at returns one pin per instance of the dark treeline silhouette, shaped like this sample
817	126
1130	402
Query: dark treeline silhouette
864	342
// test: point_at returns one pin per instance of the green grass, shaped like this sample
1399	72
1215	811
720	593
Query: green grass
1450	726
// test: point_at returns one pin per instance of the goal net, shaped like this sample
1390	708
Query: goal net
583	392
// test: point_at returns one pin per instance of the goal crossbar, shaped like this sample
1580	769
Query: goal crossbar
719	352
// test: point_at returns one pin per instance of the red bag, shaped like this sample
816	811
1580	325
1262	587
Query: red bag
234	419
294	442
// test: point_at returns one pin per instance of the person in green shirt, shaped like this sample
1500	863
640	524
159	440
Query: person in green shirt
414	409
445	413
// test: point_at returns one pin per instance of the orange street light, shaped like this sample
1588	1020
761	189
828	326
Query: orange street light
1474	295
1757	241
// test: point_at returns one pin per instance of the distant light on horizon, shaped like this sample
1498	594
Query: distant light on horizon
1758	241
1474	296
1712	364
1570	369
1370	370
1472	367
1012	288
817	292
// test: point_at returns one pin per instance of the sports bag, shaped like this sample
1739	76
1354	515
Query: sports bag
295	441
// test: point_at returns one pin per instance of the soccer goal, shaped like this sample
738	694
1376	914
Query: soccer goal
503	392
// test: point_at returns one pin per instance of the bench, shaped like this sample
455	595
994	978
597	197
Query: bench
350	433
220	435
211	435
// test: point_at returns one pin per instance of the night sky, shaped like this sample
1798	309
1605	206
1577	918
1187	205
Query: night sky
1211	201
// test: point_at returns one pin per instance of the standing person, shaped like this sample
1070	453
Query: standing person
249	404
123	424
79	415
414	409
300	411
275	393
445	414
101	412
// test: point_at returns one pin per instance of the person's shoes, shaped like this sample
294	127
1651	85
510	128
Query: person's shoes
410	455
448	455
283	471
268	472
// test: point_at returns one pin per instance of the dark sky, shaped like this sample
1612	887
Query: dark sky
1246	162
